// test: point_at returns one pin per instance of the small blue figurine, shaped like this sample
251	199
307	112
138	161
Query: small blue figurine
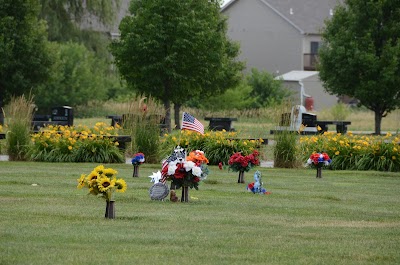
256	186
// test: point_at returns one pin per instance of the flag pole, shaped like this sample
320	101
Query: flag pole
180	133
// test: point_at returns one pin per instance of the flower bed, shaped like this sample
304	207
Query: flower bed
355	152
218	146
76	144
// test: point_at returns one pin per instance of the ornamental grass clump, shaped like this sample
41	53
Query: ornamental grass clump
142	122
355	152
76	144
102	181
18	116
285	148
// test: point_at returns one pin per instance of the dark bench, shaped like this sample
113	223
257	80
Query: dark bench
121	139
59	116
219	124
115	119
341	126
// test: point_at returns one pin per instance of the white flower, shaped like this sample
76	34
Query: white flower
196	171
172	168
155	177
188	165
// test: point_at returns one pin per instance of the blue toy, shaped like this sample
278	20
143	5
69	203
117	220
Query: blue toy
256	186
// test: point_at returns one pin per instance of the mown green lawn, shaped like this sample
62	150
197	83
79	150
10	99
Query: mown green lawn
347	217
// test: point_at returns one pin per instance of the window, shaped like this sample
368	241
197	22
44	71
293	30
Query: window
314	47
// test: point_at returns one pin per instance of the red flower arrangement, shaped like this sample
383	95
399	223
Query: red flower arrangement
187	173
319	159
238	162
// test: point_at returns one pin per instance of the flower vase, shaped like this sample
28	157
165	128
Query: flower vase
110	210
185	194
241	177
135	171
319	172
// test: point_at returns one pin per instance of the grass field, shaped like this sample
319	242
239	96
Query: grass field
347	217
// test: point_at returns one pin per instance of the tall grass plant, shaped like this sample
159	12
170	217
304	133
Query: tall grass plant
18	117
142	120
285	148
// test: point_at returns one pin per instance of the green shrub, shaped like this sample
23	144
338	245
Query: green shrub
18	114
285	148
142	121
340	112
145	133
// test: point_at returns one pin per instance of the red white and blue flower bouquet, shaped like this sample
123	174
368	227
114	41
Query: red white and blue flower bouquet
318	160
137	160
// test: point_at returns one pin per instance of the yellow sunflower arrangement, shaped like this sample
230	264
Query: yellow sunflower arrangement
102	181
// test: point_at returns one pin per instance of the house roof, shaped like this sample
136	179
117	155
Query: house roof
307	16
296	75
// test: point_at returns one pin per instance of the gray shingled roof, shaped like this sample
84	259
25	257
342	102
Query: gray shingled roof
307	16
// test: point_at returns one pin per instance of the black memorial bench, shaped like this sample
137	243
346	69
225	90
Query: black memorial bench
341	126
220	124
59	116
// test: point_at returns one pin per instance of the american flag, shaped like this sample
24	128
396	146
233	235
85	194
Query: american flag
191	123
164	176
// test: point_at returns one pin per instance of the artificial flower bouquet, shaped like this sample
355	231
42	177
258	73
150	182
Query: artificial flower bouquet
138	159
317	160
187	173
102	181
238	162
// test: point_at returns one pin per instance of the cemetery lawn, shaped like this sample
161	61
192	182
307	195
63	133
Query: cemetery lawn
347	217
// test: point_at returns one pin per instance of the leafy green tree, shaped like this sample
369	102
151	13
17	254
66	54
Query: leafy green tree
175	50
265	89
64	18
25	57
361	55
78	76
233	98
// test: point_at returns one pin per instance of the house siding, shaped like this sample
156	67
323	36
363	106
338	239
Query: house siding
268	42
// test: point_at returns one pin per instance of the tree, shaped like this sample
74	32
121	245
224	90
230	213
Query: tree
266	90
76	74
361	54
175	50
64	19
25	57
